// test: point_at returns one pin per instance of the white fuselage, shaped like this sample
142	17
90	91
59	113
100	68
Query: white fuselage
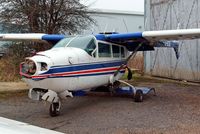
72	69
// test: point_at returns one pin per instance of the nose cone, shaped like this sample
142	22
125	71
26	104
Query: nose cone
45	62
35	65
28	67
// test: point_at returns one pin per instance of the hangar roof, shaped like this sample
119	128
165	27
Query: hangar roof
108	11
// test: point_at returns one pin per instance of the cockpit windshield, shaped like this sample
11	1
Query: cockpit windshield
64	42
86	43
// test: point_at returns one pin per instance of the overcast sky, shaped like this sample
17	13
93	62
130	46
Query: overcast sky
125	5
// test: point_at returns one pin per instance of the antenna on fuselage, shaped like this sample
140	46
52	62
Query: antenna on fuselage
105	29
114	30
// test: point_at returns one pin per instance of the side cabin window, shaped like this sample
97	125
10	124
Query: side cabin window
104	50
116	51
122	52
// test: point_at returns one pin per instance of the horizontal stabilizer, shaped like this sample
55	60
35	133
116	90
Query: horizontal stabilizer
170	44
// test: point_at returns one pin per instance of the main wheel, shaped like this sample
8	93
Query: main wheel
54	109
101	89
139	96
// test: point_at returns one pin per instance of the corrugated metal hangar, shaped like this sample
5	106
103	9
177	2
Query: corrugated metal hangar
173	14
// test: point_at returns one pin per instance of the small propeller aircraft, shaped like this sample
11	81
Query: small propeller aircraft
85	62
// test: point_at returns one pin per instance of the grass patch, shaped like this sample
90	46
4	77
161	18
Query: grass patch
8	94
9	71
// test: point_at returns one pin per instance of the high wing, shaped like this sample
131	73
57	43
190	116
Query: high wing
131	40
150	39
147	39
124	38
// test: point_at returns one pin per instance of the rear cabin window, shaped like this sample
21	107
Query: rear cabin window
116	51
122	52
104	50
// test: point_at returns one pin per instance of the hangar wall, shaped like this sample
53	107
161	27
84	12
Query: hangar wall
173	14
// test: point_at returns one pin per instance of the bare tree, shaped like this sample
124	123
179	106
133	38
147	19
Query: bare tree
48	16
37	16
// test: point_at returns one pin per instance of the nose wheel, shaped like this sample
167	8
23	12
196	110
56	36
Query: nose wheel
54	109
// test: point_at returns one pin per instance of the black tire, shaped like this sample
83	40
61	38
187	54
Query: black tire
54	109
130	74
116	85
139	96
101	89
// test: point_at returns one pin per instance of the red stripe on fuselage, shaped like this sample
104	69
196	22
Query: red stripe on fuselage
78	72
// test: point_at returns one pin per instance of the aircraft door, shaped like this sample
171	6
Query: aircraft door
72	80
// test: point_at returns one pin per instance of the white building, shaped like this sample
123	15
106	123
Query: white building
116	21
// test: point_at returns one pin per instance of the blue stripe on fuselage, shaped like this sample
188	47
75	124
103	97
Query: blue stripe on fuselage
79	67
81	75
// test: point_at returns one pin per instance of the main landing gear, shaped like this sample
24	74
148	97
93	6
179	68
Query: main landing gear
137	92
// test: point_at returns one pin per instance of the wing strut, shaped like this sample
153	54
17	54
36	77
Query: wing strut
133	54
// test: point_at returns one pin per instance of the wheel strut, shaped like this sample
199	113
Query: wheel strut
54	109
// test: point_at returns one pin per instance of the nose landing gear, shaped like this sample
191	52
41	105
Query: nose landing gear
54	109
